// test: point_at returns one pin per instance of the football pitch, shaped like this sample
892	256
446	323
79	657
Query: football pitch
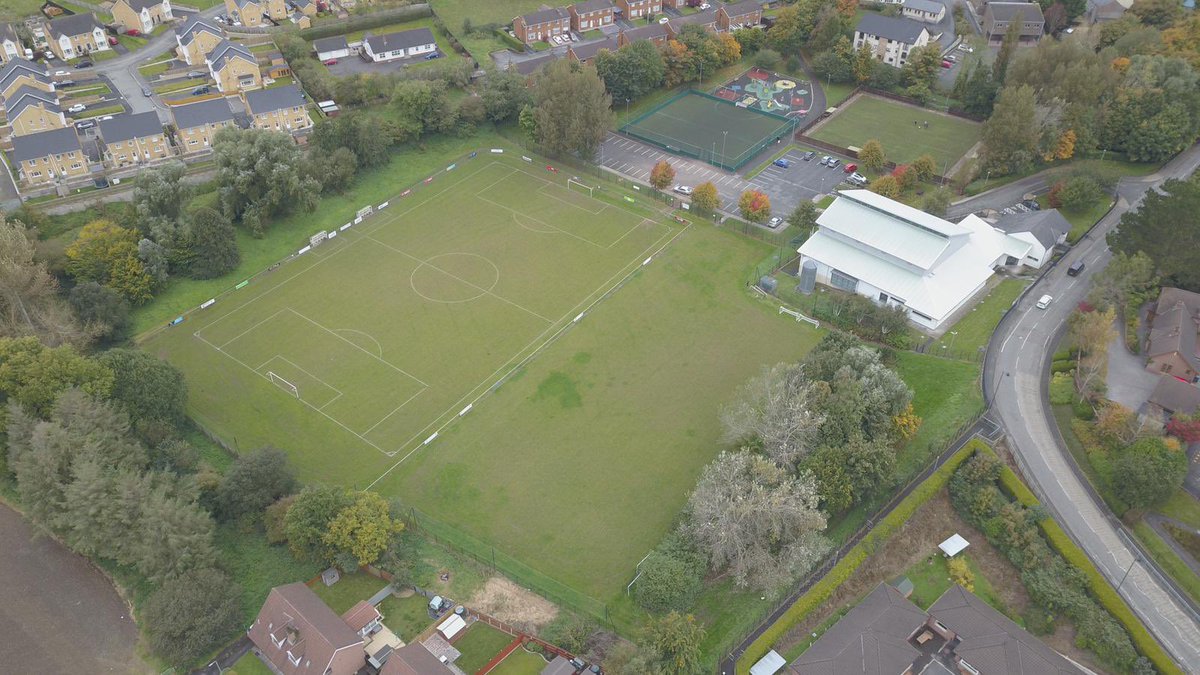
901	129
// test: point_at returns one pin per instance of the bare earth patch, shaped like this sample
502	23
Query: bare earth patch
513	605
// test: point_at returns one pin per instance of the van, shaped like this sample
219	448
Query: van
1075	268
1044	302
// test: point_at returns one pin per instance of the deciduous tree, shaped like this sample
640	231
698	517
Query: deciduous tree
146	387
572	110
103	310
872	155
804	216
754	206
1009	137
775	412
1167	229
677	639
260	176
886	186
33	375
504	93
1150	472
158	198
212	244
29	300
662	175
1091	332
108	254
254	481
363	528
308	520
705	197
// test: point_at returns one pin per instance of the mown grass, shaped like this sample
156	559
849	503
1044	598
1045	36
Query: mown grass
972	332
480	644
406	617
947	139
1168	560
520	662
250	665
349	590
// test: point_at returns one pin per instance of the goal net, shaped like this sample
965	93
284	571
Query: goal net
284	384
576	186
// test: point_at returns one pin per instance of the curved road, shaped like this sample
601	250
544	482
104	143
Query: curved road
1014	382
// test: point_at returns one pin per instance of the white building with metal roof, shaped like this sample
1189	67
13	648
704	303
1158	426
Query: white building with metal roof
899	256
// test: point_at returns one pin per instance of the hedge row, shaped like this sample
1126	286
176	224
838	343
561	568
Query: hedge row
373	20
1097	584
512	42
820	591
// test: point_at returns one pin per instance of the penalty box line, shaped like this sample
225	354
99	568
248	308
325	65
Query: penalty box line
599	294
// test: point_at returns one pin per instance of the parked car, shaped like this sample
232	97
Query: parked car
782	163
65	83
84	64
133	32
78	107
947	64
858	179
146	92
112	41
683	189
331	62
966	48
665	19
59	73
200	91
85	124
1044	301
435	55
774	222
951	58
197	74
809	155
850	168
833	163
825	160
1032	204
49	55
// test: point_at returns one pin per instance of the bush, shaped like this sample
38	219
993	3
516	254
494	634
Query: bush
768	59
667	583
190	616
569	631
1062	366
1062	388
1083	409
1038	621
1079	192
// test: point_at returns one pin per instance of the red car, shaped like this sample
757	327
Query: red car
112	40
850	168
947	64
133	32
331	62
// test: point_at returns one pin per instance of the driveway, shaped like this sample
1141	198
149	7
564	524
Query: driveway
1129	383
57	613
354	65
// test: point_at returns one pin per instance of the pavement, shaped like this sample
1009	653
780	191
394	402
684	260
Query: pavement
1015	376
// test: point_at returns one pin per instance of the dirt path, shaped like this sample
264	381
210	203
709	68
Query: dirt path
57	613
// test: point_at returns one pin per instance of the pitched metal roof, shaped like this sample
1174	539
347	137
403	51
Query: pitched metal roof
204	112
195	25
226	51
33	146
1047	226
586	51
545	15
890	27
1007	11
403	40
592	6
330	44
930	6
76	24
276	98
125	127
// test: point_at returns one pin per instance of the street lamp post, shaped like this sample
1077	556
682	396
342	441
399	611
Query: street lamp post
985	180
1136	560
724	137
953	334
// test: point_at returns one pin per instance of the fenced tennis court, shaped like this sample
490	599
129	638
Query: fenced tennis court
709	128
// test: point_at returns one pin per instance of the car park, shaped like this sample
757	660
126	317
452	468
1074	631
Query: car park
833	163
809	155
825	160
850	168
1032	204
683	189
774	222
782	163
78	107
1044	301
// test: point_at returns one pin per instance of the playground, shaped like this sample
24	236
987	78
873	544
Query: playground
760	89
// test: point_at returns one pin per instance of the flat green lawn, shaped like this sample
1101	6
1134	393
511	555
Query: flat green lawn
250	665
946	395
520	662
1082	219
1182	506
349	590
480	644
406	617
836	92
97	112
931	578
153	69
947	139
973	331
1167	559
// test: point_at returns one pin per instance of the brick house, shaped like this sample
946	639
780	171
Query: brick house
639	9
76	35
738	15
709	20
247	12
32	111
278	109
133	139
10	44
541	25
142	15
658	33
890	39
233	67
197	123
587	52
591	14
1173	344
306	7
299	635
21	73
49	156
196	38
997	17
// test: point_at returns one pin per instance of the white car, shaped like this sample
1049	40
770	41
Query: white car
60	73
78	107
774	222
665	19
683	189
1044	301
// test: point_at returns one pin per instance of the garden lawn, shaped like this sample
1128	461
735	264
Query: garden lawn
976	328
946	395
13	10
155	68
1183	507
406	617
892	124
931	578
480	644
250	665
1081	220
520	662
349	590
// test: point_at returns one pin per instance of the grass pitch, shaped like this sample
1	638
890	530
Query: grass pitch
892	123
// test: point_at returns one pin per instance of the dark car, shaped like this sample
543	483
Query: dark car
433	56
808	155
146	92
1075	268
84	64
200	91
1032	205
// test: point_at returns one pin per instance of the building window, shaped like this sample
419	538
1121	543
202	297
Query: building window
883	297
843	281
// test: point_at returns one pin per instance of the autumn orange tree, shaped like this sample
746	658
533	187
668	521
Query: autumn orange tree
755	206
661	175
705	197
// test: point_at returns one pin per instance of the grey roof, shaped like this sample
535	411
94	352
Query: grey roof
242	3
18	66
744	7
7	32
1047	226
890	27
389	42
586	51
559	666
1175	396
414	659
301	4
545	15
196	24
592	6
931	6
991	642
26	96
1175	324
276	98
139	5
204	112
76	24
226	51
330	44
33	146
654	30
872	639
699	18
531	66
1007	11
125	127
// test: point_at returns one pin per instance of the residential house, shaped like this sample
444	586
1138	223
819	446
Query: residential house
658	33
233	66
300	19
402	45
709	20
1043	229
306	7
1174	396
19	73
928	11
278	109
31	111
997	17
299	635
889	38
331	48
414	659
739	15
899	256
561	665
591	14
10	44
1172	345
75	35
531	66
197	123
196	38
246	12
541	25
638	9
1099	11
585	53
49	156
142	15
886	634
129	139
276	9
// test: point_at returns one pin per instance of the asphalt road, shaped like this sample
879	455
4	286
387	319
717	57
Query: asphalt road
1014	380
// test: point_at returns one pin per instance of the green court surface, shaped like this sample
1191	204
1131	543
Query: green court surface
901	129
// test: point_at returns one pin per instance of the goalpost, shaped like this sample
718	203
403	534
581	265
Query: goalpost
283	383
573	184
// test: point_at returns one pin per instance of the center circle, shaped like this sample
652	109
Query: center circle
454	277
